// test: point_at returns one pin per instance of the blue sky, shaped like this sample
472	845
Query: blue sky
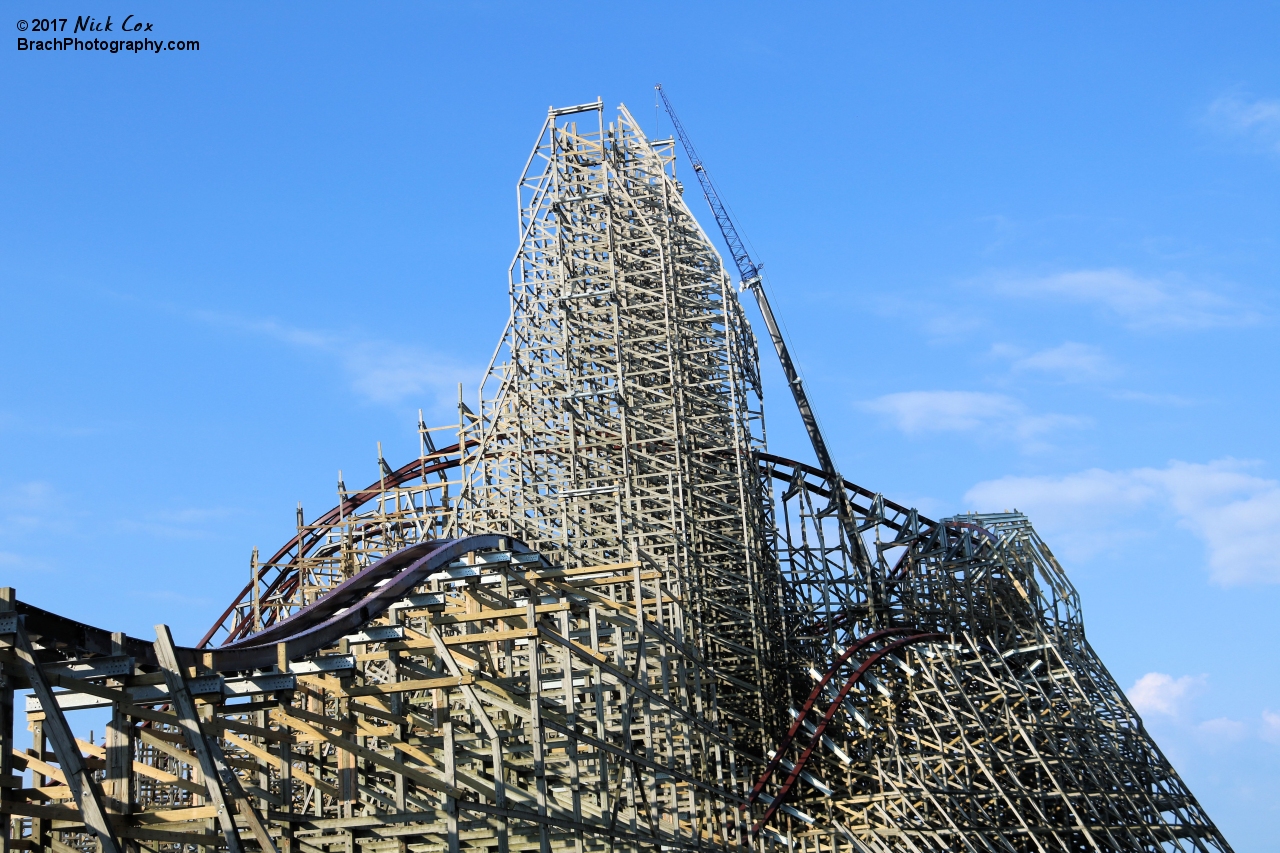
1027	256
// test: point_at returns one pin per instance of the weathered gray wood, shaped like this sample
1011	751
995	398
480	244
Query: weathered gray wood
220	779
118	781
83	787
450	776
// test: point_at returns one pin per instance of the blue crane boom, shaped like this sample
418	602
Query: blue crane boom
749	270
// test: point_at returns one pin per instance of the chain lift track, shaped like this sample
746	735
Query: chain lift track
597	614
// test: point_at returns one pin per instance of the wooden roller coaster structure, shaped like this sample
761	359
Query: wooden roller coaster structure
597	614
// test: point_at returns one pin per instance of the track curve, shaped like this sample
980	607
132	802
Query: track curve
299	544
362	597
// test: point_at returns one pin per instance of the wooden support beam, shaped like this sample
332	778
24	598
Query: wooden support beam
83	787
118	743
223	784
450	777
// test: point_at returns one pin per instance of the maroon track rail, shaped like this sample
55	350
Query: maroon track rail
821	728
284	581
780	750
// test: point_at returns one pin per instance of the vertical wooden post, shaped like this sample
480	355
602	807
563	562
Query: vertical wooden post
39	826
346	776
397	708
119	747
537	733
264	769
6	754
286	794
118	780
315	704
571	714
450	777
348	771
500	794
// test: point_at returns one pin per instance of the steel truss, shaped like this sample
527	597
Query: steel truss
963	711
596	614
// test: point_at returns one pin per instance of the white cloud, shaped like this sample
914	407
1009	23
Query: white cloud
24	506
916	412
1222	729
1154	399
1072	362
382	371
177	598
1138	301
10	561
35	494
1256	120
1158	693
1270	726
390	373
1235	513
189	523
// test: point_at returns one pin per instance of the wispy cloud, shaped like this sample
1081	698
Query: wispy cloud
1154	399
382	371
1236	514
1221	730
1169	703
918	412
1158	693
1069	362
1140	302
26	506
1271	726
14	562
178	598
185	523
1255	120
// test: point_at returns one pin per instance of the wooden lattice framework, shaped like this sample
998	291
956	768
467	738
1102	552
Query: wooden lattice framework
596	614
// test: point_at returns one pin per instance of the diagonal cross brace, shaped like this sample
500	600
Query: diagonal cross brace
83	787
222	781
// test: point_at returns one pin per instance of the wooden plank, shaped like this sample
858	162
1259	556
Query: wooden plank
83	786
283	717
411	685
189	723
147	770
491	636
582	570
509	613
